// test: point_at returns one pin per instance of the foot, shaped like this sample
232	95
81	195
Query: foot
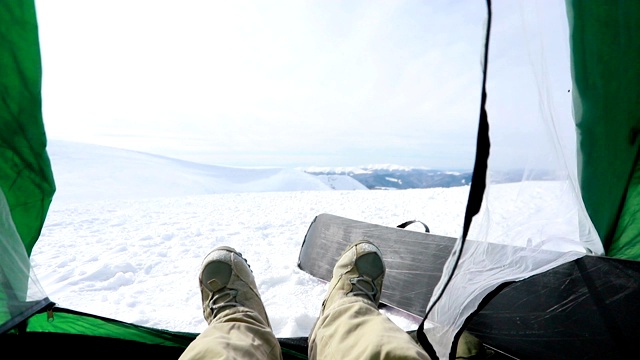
226	281
359	272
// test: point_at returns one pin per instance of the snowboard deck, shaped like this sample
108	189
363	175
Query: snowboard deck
586	308
414	260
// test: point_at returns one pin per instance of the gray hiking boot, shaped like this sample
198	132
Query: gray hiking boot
226	281
359	272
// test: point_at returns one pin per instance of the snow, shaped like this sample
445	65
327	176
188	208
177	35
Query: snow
126	233
86	172
342	182
394	180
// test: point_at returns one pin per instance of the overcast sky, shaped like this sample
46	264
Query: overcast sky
299	83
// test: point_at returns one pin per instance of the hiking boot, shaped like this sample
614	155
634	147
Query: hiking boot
226	281
359	272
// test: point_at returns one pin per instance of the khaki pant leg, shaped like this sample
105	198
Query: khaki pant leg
237	333
354	329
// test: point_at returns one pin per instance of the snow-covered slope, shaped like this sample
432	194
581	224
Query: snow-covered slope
342	182
85	172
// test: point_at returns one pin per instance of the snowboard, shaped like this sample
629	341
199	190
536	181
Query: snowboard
586	308
414	259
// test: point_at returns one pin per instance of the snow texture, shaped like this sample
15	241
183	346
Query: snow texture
126	233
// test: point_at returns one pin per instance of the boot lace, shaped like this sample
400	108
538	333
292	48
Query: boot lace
222	300
362	290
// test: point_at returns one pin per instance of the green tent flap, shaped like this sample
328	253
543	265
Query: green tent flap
605	50
61	320
26	178
25	171
625	240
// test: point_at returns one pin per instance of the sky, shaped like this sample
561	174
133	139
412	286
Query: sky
303	83
130	249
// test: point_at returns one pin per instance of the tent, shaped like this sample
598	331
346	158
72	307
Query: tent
605	70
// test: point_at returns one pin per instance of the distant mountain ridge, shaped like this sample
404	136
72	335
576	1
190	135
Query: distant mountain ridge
388	177
344	170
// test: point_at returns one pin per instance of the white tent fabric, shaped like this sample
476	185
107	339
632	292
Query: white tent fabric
20	286
542	235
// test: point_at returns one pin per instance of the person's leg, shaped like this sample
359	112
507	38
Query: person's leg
239	327
350	325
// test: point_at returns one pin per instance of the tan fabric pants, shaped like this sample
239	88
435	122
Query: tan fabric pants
236	333
351	329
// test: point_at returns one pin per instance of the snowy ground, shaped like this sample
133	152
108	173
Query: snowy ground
126	242
127	231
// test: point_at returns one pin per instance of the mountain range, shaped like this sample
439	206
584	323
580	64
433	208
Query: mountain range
389	177
105	168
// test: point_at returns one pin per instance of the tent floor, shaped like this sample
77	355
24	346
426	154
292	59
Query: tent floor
35	345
